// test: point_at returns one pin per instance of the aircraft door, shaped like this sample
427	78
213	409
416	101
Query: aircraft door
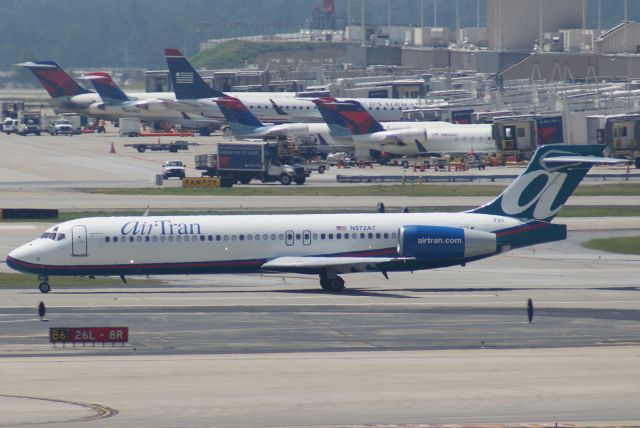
79	241
289	238
306	237
509	137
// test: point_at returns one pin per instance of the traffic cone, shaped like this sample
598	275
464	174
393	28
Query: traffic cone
113	148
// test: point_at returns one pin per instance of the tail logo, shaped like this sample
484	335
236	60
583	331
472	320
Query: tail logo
184	78
540	187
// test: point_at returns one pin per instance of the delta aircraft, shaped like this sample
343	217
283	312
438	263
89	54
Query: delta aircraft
67	96
116	104
193	95
404	138
327	245
245	124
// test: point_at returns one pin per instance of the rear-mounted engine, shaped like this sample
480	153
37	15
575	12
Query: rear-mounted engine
444	243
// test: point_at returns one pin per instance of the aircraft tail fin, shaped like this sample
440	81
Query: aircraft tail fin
544	187
241	120
57	82
348	114
106	87
187	83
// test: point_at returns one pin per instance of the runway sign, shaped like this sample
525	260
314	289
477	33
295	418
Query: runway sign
201	182
89	334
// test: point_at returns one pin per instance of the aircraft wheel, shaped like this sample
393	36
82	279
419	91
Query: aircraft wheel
334	285
44	287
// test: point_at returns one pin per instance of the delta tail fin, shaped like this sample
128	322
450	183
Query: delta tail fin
241	120
187	83
54	79
544	187
106	88
348	114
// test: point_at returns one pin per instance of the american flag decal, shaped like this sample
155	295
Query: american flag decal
341	228
184	78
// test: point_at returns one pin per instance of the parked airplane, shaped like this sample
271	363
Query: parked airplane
404	138
67	96
245	124
320	244
116	104
194	95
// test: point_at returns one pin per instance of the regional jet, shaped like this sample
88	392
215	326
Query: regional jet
404	138
327	245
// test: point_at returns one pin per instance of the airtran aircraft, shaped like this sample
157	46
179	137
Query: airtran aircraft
326	245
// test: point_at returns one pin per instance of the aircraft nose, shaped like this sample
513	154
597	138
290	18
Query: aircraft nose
21	257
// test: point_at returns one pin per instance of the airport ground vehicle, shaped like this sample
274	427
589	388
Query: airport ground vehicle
174	168
29	123
129	126
172	147
310	165
243	162
60	127
10	126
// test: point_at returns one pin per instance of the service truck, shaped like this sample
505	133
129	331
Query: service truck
243	162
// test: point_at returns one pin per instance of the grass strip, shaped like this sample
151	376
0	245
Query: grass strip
410	190
620	245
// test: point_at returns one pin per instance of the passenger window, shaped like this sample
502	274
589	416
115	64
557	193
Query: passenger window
202	237
265	237
393	235
234	237
370	235
179	238
386	236
323	236
362	235
355	235
249	237
241	237
257	236
147	239
338	235
107	239
331	236
378	235
315	236
218	237
346	236
226	237
298	237
170	238
139	239
162	238
115	239
273	237
281	236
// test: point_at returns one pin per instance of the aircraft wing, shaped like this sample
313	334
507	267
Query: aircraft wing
339	264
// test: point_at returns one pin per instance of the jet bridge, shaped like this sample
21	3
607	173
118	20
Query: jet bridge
621	134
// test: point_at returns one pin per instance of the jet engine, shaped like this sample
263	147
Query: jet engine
445	243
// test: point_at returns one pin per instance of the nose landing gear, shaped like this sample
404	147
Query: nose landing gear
44	286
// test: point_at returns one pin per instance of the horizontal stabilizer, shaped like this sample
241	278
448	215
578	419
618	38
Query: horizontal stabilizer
593	160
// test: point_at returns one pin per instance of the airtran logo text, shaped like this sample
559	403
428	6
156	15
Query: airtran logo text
439	241
159	227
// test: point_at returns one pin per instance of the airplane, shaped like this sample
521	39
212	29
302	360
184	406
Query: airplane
67	96
327	245
245	124
404	138
195	96
116	104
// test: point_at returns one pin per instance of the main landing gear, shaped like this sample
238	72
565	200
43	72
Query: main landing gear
331	282
44	286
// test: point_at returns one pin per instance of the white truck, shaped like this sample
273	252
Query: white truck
173	168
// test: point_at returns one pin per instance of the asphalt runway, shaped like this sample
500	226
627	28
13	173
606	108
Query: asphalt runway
444	347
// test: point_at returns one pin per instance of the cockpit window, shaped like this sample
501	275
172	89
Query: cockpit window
60	236
45	235
52	236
